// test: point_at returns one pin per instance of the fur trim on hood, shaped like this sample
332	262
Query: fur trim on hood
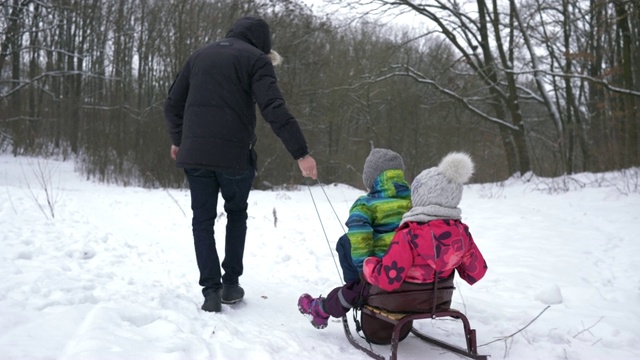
275	58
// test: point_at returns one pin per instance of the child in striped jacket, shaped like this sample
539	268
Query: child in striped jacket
374	217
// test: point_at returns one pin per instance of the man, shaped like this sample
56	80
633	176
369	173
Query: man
211	118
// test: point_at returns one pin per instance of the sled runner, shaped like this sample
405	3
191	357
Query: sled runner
388	318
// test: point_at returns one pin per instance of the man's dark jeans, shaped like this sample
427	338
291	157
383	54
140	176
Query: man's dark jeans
349	270
204	186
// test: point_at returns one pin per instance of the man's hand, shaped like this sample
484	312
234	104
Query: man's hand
307	166
174	151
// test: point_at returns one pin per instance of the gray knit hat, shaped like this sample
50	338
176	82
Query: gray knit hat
378	161
442	185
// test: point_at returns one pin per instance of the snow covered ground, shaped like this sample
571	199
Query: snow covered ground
113	274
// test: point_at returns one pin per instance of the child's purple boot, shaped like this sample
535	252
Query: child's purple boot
312	306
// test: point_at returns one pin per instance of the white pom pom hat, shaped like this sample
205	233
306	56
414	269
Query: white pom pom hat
442	185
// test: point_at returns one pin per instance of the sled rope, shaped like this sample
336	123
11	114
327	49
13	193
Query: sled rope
322	225
330	204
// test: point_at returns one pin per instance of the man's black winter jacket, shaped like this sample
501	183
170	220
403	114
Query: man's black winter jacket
210	109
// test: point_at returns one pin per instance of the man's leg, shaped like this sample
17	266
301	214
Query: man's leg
235	190
349	270
203	186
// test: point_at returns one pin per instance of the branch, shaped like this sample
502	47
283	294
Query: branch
589	328
19	118
504	338
11	200
422	79
582	77
168	193
33	195
51	73
5	135
43	176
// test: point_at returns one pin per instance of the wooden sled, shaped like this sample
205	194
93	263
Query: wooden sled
400	319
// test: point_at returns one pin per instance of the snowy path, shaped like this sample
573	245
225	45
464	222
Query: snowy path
113	276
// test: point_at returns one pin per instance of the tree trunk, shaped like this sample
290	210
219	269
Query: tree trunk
629	102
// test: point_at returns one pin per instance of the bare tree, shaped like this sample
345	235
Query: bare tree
501	43
548	86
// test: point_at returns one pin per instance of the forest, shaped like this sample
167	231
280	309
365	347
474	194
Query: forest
544	87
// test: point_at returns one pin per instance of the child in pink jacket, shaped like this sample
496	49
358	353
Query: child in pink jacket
431	241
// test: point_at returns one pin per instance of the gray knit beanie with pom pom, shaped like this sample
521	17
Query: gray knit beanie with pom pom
436	192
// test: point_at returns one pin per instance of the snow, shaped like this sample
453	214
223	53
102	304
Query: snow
551	295
113	274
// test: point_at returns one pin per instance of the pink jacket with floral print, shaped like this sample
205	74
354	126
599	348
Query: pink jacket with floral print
419	248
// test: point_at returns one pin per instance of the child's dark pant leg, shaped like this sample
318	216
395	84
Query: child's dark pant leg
349	270
341	299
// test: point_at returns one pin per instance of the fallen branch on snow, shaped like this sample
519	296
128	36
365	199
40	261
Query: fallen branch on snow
504	338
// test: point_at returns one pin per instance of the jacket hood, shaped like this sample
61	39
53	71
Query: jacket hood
390	184
253	30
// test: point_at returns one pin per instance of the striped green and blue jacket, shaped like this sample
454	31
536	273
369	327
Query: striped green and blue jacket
374	217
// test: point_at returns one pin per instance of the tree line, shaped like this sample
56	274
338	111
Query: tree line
544	86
